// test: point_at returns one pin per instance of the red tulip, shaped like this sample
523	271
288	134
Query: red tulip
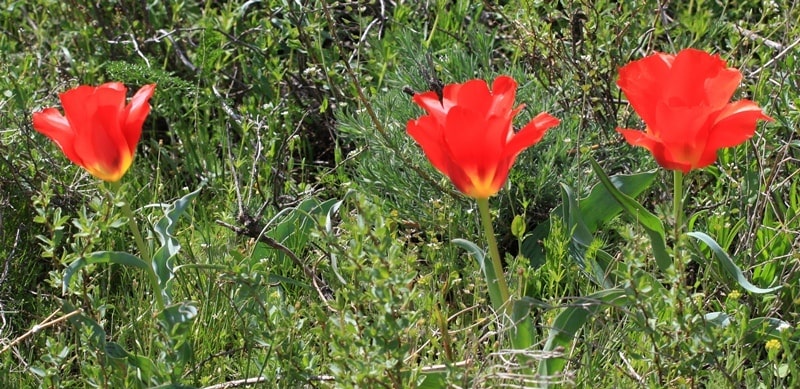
98	131
684	102
468	136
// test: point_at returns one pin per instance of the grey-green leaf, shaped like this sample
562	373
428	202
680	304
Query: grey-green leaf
728	265
117	257
637	212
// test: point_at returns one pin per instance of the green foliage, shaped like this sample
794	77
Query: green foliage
320	252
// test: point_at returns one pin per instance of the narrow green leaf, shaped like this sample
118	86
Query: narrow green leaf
473	249
176	318
79	321
720	319
581	238
117	257
164	230
571	214
593	211
532	247
114	350
600	207
728	265
522	328
486	267
522	317
572	319
761	328
329	216
434	380
651	223
300	220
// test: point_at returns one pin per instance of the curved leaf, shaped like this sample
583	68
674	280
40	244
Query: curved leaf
178	317
651	223
486	266
761	328
593	211
165	229
720	319
329	217
85	324
600	207
117	257
727	264
523	325
569	321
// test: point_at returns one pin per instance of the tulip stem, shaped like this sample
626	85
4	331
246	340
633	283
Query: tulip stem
495	278
144	250
677	202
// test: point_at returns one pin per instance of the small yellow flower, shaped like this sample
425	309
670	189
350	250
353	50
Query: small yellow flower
773	345
734	295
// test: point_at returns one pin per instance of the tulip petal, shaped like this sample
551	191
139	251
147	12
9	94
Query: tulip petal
429	101
690	71
78	106
475	141
642	82
103	147
708	157
475	96
426	132
467	138
504	91
687	113
135	114
654	145
96	127
721	88
680	126
477	148
55	126
115	86
735	124
530	134
460	178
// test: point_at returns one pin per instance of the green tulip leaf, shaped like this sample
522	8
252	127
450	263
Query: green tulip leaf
296	226
434	380
728	265
759	329
486	266
637	212
570	321
146	366
588	214
165	230
178	317
117	257
85	324
600	206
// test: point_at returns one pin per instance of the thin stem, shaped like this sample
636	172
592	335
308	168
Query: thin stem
677	202
495	278
38	327
144	250
677	205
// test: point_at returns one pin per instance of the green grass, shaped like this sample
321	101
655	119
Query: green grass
342	272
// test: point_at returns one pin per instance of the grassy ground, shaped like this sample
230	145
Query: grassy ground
318	251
